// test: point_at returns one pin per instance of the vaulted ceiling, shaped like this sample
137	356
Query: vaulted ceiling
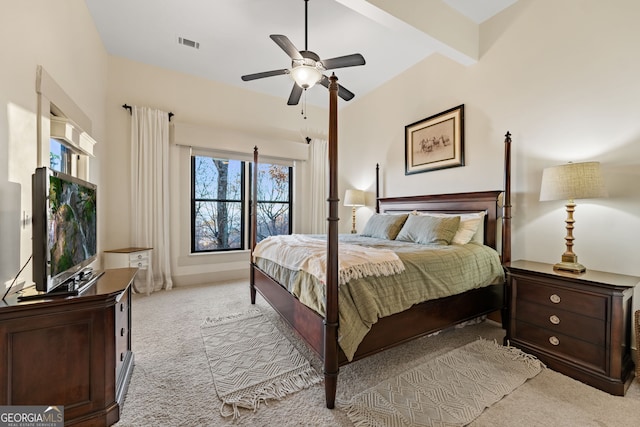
233	36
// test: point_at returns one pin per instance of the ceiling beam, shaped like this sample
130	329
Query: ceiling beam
441	28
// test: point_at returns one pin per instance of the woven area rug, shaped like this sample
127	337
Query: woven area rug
450	390
251	361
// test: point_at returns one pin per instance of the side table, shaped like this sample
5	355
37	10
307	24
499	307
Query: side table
134	257
577	324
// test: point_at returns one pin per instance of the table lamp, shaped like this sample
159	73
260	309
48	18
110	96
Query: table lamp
353	198
569	182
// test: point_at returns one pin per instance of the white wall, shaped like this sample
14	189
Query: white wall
62	38
236	120
563	78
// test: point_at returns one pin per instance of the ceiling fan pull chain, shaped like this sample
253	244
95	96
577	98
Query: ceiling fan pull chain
304	105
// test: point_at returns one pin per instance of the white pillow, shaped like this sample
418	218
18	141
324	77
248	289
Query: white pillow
471	227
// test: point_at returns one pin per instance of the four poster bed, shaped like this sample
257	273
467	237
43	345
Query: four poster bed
320	326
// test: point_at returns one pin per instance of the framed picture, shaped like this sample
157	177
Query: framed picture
436	142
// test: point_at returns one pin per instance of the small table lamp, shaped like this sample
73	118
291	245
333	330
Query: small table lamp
569	182
353	198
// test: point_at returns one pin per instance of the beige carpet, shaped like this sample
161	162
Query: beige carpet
172	386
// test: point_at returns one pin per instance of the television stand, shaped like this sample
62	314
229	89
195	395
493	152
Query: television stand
72	287
45	295
73	352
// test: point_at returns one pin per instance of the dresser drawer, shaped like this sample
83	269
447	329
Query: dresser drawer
122	332
563	322
562	346
586	304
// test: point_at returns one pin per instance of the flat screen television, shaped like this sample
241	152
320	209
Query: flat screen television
64	228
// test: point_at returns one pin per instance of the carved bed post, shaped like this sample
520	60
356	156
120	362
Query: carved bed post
377	187
331	316
506	228
254	221
506	212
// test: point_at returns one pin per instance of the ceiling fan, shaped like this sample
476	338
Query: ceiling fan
307	67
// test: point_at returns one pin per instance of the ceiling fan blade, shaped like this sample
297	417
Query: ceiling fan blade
286	45
296	93
264	74
343	92
343	61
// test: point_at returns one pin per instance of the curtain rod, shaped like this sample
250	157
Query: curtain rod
128	107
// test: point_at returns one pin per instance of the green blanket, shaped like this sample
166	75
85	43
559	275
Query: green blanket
431	272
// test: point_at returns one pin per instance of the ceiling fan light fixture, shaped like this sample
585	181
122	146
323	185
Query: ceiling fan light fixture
306	76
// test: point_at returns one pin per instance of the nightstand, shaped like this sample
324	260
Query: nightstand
577	324
139	258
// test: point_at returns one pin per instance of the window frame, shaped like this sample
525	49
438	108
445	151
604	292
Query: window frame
242	201
289	196
246	201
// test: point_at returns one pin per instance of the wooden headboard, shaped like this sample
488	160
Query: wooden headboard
495	204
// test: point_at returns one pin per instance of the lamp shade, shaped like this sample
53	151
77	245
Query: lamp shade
572	181
354	198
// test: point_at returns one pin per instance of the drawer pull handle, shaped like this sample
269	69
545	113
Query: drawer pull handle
122	332
139	264
554	299
554	340
121	357
139	256
121	307
554	319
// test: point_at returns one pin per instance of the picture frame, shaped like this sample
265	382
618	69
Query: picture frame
436	142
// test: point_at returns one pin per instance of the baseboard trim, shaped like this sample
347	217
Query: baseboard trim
208	278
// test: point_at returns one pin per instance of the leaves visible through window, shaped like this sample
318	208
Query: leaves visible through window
217	204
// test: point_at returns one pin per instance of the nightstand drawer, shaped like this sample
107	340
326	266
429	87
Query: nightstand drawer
142	264
561	297
139	257
128	257
563	322
562	346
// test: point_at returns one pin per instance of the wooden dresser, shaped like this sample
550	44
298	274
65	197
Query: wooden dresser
577	324
73	351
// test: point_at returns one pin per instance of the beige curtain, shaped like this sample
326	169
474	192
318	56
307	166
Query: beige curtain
150	192
318	185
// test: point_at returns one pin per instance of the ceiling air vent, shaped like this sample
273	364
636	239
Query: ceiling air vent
189	43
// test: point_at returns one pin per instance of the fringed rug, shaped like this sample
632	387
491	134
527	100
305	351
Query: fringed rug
251	361
450	390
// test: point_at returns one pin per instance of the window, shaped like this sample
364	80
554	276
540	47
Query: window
274	200
59	156
220	199
217	204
